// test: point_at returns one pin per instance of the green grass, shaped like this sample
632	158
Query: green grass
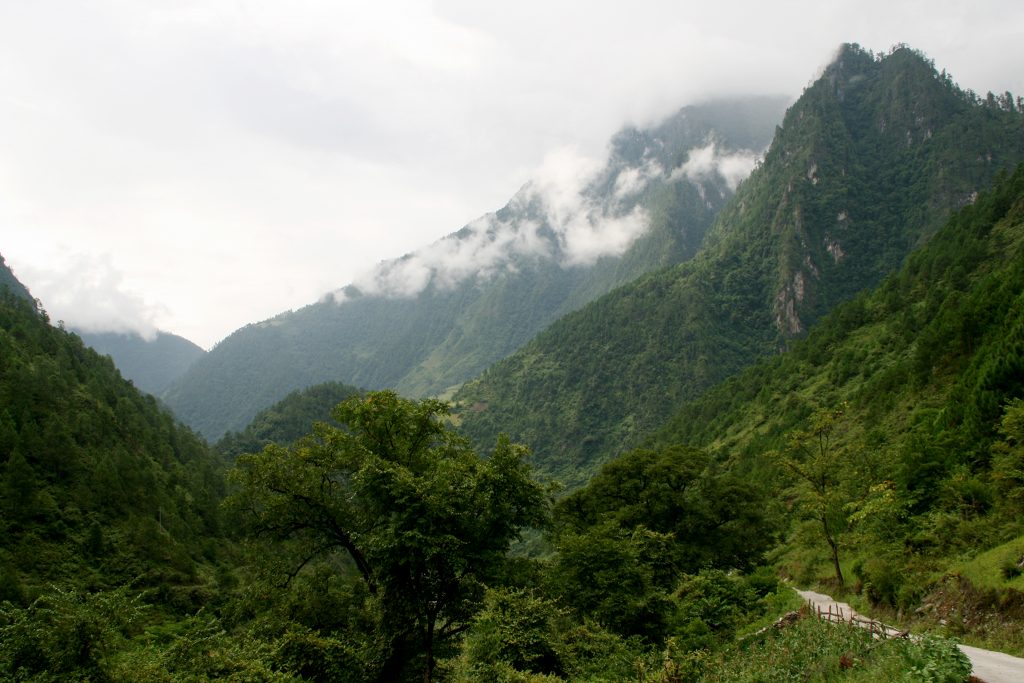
813	651
986	570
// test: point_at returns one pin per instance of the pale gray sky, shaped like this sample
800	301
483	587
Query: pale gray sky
196	165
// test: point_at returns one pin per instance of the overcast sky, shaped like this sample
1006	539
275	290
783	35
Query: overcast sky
198	165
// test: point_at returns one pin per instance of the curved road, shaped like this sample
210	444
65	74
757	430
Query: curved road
986	666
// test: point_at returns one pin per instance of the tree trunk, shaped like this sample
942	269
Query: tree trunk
428	672
835	551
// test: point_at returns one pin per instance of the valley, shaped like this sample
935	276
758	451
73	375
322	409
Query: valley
803	363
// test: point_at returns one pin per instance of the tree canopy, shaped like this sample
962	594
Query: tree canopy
425	521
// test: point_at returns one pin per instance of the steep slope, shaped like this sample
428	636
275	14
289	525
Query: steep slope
152	365
921	467
868	163
99	487
286	421
937	348
439	316
8	280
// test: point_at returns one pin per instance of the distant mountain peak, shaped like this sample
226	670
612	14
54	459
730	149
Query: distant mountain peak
427	321
577	209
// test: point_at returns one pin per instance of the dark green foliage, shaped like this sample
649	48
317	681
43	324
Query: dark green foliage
65	635
98	485
866	166
514	628
151	364
9	281
610	575
425	523
426	344
713	518
286	421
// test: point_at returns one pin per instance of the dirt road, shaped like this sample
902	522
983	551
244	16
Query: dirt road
986	665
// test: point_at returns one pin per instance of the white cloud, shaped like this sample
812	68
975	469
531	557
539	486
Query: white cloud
703	163
274	150
90	294
579	228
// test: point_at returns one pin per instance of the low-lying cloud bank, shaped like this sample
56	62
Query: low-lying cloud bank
89	294
704	163
559	215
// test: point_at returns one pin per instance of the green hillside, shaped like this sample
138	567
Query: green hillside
867	164
425	343
832	393
921	386
152	365
287	420
100	487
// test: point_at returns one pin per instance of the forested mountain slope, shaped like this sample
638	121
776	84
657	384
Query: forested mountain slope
99	486
912	398
867	164
8	280
931	356
493	285
286	421
151	364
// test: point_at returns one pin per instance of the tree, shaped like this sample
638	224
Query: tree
816	463
426	522
715	518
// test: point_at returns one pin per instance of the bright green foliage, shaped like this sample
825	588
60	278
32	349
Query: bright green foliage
927	461
425	522
817	651
517	629
520	636
866	166
812	458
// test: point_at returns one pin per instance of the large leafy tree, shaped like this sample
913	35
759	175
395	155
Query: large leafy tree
715	518
426	522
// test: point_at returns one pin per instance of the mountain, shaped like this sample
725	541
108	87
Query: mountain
868	164
99	487
286	421
151	364
8	280
936	350
913	395
437	317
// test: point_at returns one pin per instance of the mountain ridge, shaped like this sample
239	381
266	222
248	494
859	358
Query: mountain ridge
809	228
151	364
448	333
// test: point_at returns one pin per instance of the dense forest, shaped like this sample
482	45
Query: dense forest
347	534
867	164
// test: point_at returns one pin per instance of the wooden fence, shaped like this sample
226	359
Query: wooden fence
836	614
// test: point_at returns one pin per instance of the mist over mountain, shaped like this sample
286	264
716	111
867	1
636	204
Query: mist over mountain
438	316
867	165
151	364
